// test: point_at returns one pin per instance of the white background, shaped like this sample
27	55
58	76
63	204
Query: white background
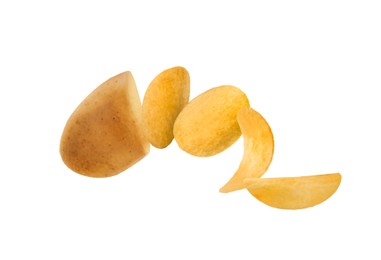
312	68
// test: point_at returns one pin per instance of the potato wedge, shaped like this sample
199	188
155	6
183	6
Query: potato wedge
294	192
258	149
104	135
165	97
208	124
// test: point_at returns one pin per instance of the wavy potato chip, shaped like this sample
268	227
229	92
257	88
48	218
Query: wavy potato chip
294	192
208	124
165	97
258	149
104	135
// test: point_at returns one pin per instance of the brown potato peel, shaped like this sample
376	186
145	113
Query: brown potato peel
258	149
294	192
104	135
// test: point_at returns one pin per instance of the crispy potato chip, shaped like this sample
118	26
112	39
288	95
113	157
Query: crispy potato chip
165	97
208	124
258	149
294	192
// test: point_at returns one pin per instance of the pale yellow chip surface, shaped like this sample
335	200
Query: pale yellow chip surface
208	124
294	192
258	149
165	97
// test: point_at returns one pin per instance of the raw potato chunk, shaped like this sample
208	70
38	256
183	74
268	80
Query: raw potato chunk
258	149
165	97
104	135
294	192
208	124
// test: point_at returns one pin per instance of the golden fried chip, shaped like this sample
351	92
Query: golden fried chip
208	124
294	192
165	97
258	149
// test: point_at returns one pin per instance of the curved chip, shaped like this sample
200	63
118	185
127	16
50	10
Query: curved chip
294	192
165	97
208	124
258	149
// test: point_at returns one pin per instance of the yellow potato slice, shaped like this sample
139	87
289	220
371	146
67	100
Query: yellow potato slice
294	192
258	149
104	135
208	124
165	97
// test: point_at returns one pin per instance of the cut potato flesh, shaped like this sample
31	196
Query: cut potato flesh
294	192
258	149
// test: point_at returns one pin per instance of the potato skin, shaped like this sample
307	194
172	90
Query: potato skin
104	135
165	97
208	124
